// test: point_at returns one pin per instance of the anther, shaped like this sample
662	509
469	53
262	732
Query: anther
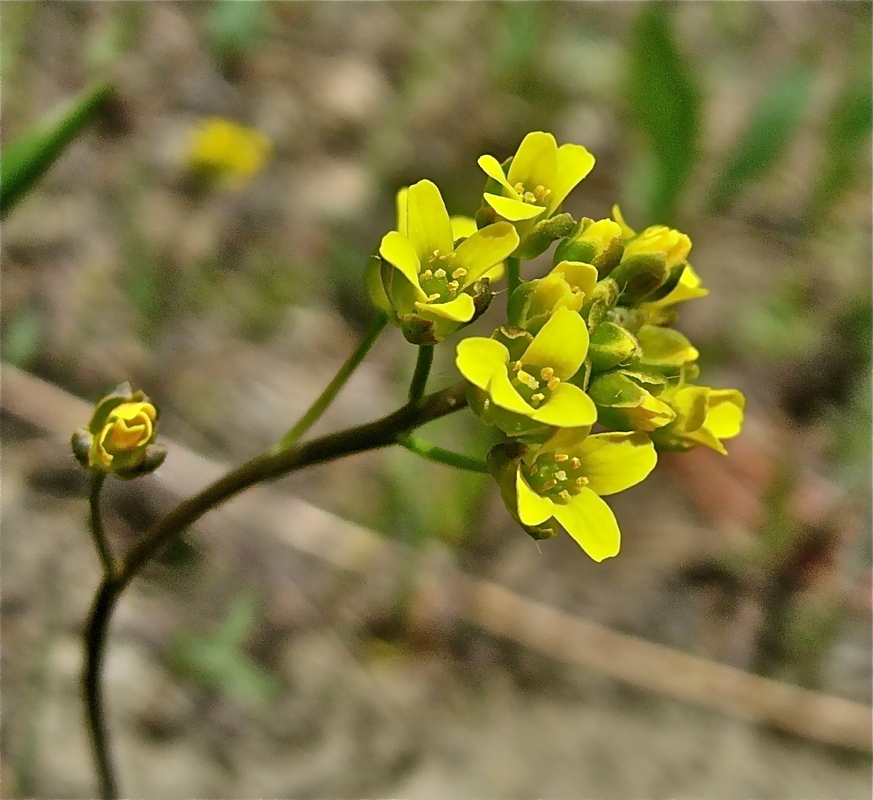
561	475
427	274
453	286
528	380
576	463
534	469
537	398
546	373
552	383
549	485
565	494
432	297
561	457
459	273
440	273
581	483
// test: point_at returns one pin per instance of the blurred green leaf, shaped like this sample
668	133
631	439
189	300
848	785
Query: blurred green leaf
770	126
23	162
846	137
236	25
22	337
665	105
218	662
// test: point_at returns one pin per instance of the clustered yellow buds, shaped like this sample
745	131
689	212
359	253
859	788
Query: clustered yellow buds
120	438
586	344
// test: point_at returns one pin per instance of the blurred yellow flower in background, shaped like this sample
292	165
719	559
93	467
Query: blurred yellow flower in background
227	152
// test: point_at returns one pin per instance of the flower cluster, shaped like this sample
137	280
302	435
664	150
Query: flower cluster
585	381
120	438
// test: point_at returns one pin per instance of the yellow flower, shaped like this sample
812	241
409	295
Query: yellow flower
531	386
427	287
565	478
120	437
568	285
703	416
675	246
227	151
540	177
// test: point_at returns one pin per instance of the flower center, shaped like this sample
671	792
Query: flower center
437	283
534	384
557	476
537	197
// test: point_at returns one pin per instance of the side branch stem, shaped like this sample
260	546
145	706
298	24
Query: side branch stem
513	276
95	521
433	452
339	380
421	374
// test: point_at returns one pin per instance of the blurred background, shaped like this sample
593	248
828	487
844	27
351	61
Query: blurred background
324	640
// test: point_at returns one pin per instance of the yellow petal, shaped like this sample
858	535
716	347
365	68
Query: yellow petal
691	404
462	227
484	249
402	219
504	394
707	439
535	163
579	274
461	309
479	358
513	210
613	462
568	407
626	230
491	167
725	415
533	509
561	344
429	227
591	523
688	288
396	249
574	163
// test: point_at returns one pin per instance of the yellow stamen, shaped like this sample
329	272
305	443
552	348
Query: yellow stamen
561	475
459	273
440	273
537	398
561	457
576	463
547	373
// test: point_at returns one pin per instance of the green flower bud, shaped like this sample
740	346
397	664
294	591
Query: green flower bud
598	243
638	276
543	234
610	346
625	403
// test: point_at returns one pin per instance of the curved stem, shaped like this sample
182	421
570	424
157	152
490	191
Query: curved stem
96	523
95	645
422	371
442	456
268	466
513	276
326	397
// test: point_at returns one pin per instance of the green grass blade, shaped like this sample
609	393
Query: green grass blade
770	127
664	101
24	161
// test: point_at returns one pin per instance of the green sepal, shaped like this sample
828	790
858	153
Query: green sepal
615	390
575	247
670	284
543	234
639	276
503	461
81	445
418	330
155	454
374	286
603	299
482	295
611	345
516	306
